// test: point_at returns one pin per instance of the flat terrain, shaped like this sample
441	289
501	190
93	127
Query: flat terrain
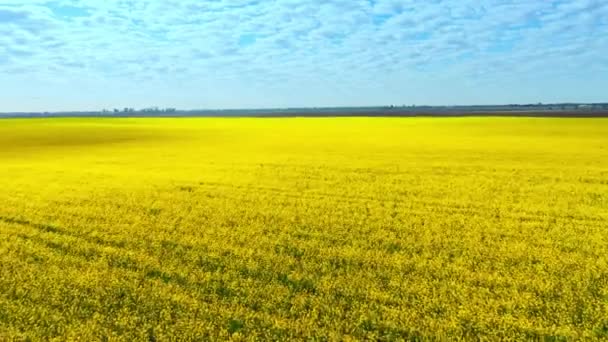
368	228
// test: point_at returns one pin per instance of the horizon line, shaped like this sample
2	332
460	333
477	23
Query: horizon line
156	109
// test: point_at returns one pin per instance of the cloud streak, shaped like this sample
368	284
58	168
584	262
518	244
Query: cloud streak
241	53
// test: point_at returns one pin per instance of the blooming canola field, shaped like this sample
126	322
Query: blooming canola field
303	228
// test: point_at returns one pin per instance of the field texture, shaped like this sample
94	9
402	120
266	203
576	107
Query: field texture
334	229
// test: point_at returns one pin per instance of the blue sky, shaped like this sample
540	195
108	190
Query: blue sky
77	54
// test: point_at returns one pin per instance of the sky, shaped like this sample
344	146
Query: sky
95	54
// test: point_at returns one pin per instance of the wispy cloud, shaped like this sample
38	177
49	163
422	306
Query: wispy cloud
241	53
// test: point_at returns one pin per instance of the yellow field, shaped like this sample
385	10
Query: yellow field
361	228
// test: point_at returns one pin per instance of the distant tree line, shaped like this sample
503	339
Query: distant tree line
154	110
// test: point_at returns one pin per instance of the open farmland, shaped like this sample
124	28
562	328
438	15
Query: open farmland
334	228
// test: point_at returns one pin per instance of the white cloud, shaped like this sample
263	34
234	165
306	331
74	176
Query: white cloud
295	52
